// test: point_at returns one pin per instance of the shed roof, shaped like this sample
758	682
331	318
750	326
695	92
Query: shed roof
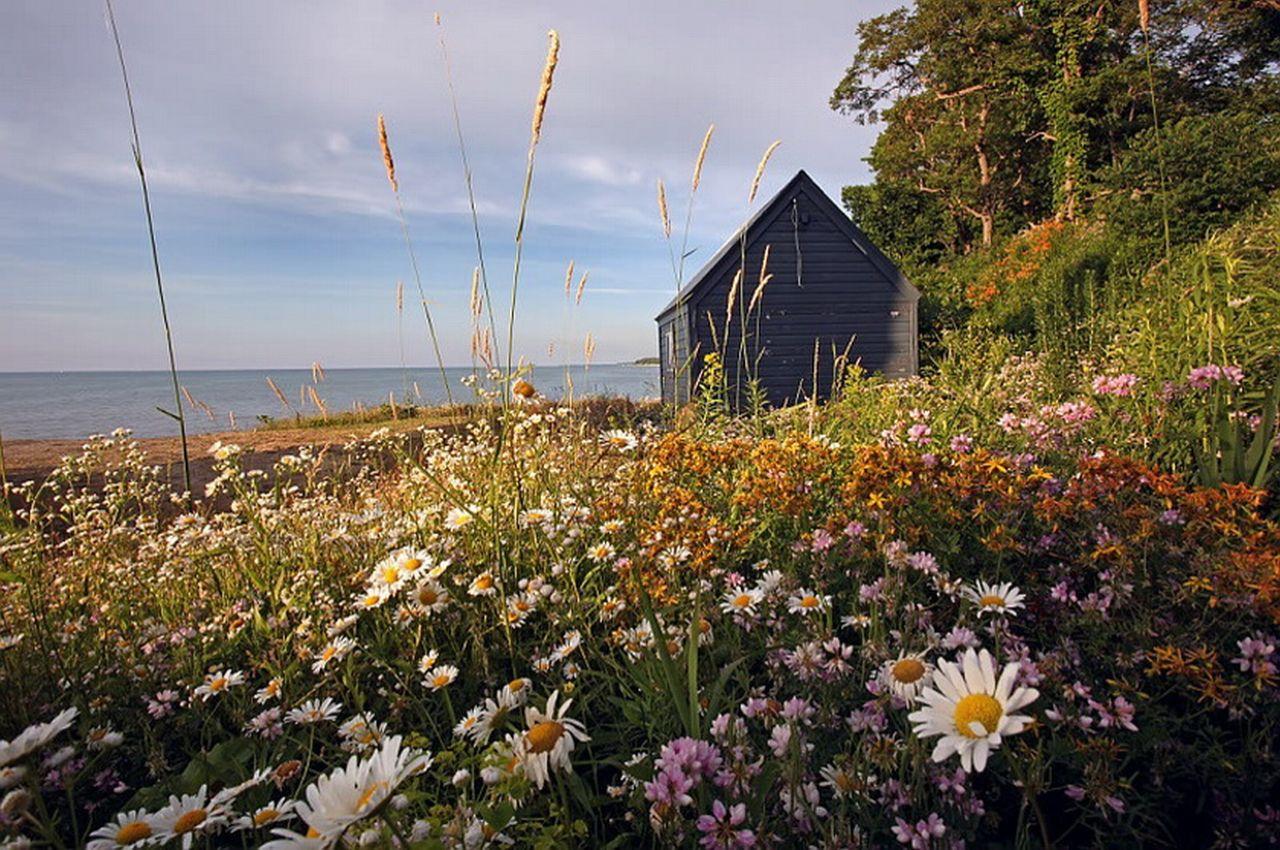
801	183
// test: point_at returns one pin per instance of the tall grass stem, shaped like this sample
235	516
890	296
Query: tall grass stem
180	415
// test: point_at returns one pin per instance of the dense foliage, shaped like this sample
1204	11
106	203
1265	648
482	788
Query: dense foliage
999	115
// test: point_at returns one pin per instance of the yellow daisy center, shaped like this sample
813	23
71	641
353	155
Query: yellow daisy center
218	684
134	832
391	575
983	708
329	652
544	736
845	782
312	832
265	816
742	600
809	602
991	601
484	582
908	671
427	596
441	679
515	685
412	564
368	795
189	821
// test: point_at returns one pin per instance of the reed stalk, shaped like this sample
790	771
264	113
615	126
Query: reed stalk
681	369
180	415
535	133
389	162
404	365
741	360
466	171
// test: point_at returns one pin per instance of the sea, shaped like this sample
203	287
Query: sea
74	405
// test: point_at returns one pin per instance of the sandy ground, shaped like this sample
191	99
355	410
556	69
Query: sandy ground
25	460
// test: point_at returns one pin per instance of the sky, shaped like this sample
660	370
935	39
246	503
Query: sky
277	229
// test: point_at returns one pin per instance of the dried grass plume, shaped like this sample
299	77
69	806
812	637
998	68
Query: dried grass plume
764	160
386	153
544	88
702	156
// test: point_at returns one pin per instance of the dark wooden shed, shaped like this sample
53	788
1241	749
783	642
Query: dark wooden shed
832	298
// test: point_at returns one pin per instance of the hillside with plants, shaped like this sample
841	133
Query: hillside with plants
1030	598
1093	200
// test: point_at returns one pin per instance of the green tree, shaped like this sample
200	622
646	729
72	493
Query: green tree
949	80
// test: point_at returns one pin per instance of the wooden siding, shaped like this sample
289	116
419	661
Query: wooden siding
829	300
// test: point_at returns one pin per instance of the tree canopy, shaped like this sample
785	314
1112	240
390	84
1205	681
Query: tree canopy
997	115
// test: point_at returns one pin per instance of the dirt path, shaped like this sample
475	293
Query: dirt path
26	460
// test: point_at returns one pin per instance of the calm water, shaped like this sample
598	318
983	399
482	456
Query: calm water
73	405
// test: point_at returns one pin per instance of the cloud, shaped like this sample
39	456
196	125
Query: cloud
598	169
257	123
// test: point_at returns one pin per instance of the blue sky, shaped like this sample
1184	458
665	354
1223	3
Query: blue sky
275	222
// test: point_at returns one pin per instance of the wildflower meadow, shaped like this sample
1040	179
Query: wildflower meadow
535	630
1027	598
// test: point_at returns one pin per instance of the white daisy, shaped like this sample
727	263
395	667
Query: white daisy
483	585
314	711
127	829
11	775
440	677
995	598
493	714
516	691
623	441
429	659
429	597
36	736
520	606
536	516
844	781
390	574
468	722
769	581
459	518
807	602
274	812
548	740
103	738
373	597
906	675
970	709
219	682
333	652
188	817
359	734
350	794
602	551
742	601
269	692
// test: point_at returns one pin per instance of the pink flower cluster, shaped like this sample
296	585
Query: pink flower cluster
1203	377
682	765
920	835
1117	385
